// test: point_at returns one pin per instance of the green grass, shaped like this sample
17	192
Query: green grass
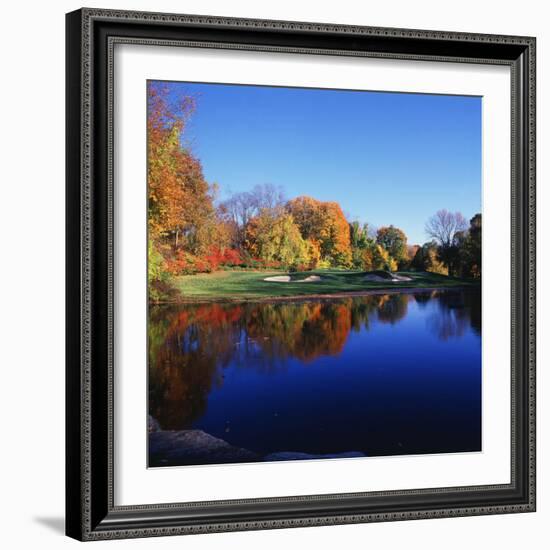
249	285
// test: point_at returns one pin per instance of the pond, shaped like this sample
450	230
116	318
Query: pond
377	375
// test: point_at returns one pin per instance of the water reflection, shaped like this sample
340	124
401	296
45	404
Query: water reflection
455	315
193	348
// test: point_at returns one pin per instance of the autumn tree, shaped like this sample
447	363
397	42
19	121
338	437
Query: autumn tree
335	237
412	249
179	202
183	222
382	259
241	207
323	222
166	192
427	259
198	230
308	216
368	260
376	257
394	241
274	237
313	252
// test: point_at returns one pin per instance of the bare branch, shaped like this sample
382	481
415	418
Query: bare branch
444	225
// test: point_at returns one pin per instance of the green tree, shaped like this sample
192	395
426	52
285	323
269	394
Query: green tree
427	259
394	241
359	241
358	234
470	249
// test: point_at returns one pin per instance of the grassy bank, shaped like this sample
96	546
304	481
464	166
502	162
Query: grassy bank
250	285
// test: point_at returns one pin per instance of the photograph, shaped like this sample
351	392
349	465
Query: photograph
314	265
300	272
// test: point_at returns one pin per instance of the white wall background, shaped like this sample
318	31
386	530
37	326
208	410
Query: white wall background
32	271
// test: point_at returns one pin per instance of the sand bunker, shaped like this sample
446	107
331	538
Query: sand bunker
278	279
288	279
310	279
393	279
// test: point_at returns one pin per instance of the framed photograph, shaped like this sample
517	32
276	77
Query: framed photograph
300	274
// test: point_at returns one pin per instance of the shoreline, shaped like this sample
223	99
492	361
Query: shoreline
194	447
317	296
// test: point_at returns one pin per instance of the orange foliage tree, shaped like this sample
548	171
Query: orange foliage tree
184	229
166	190
323	223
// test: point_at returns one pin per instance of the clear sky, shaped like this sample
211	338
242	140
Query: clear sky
387	158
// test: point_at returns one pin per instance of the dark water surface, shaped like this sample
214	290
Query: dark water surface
383	375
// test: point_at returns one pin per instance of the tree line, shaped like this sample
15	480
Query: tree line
192	231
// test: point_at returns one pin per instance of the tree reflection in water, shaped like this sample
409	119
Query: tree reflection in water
456	313
190	345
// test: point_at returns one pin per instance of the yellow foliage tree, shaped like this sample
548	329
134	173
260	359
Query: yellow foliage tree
325	223
377	257
273	236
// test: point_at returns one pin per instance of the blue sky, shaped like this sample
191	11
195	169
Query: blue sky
387	158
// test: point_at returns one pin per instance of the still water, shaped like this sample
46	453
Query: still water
387	374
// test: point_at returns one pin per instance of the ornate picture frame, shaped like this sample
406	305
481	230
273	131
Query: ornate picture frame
91	509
